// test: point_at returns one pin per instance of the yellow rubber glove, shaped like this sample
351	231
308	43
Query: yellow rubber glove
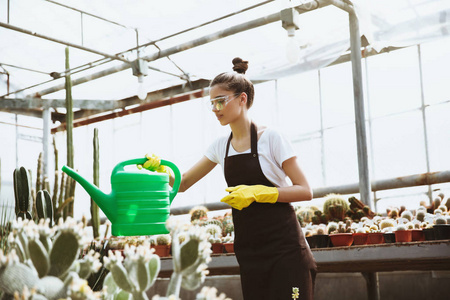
242	196
153	163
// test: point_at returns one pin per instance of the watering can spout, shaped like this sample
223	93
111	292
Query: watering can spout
103	200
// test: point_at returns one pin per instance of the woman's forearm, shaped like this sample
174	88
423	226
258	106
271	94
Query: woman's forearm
294	193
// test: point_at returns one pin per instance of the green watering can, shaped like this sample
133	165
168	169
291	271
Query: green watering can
139	202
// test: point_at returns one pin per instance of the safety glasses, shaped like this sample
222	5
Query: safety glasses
220	102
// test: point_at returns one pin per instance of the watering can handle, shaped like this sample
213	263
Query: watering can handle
177	182
140	161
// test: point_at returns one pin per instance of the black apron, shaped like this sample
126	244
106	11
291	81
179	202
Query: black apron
270	248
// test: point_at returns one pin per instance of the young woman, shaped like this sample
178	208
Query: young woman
274	258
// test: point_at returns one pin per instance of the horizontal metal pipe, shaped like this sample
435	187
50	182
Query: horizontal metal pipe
378	185
188	45
26	31
57	103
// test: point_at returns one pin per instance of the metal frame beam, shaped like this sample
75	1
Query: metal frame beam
29	32
190	44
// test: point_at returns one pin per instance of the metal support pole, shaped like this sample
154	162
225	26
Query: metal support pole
46	118
373	284
361	139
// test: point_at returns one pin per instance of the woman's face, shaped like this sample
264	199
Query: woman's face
226	105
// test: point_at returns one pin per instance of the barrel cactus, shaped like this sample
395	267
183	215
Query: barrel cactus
420	215
407	215
306	214
198	213
386	223
335	207
440	220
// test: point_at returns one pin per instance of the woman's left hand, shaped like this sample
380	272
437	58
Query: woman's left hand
242	196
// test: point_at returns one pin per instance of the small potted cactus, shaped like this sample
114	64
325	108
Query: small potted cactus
375	236
215	234
162	247
342	236
228	243
360	236
402	234
387	226
322	238
428	231
441	228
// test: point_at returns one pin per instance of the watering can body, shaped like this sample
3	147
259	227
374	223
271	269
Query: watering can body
139	202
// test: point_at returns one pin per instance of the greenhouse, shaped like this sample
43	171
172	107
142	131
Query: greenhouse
110	113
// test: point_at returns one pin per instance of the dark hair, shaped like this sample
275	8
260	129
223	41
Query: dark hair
236	81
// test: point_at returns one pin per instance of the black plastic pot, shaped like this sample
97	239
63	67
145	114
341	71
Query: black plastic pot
312	241
441	231
323	240
318	241
429	234
389	237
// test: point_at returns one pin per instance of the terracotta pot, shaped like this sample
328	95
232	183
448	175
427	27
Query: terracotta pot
389	237
162	250
403	236
441	231
229	247
375	238
360	238
341	239
417	235
217	248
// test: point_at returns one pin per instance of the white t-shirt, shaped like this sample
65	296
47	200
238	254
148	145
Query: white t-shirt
273	150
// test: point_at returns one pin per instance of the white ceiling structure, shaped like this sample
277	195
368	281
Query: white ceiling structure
184	42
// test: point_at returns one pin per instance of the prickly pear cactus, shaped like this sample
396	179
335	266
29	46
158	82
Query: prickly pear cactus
44	259
190	259
134	276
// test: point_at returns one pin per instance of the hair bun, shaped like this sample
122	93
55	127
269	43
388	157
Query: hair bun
239	65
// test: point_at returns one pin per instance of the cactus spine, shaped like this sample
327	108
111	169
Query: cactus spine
95	214
24	201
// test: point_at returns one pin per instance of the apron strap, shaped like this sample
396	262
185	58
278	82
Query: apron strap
253	141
